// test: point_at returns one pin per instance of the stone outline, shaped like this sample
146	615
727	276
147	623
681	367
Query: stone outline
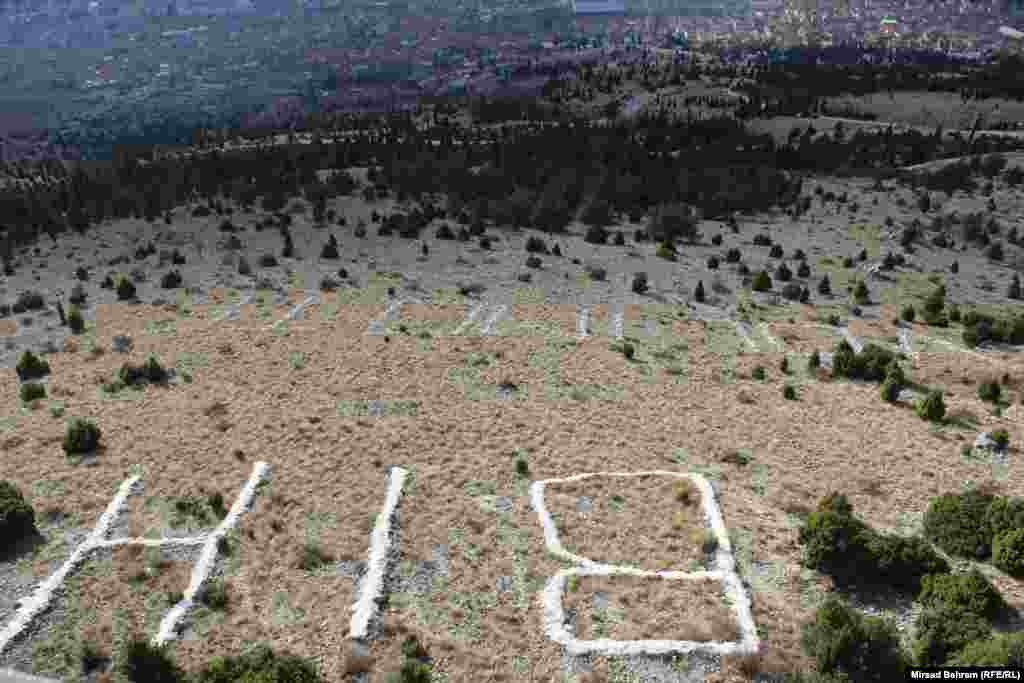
382	538
551	598
37	602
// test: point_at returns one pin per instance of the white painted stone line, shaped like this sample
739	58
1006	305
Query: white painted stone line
184	541
616	325
470	318
34	605
372	587
487	327
744	332
551	597
376	326
202	568
583	322
297	310
234	311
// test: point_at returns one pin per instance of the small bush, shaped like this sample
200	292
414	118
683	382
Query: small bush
943	632
792	291
171	280
1008	552
244	267
522	467
31	366
666	251
908	314
82	274
330	249
789	392
959	523
999	649
776	251
620	239
783	273
712	263
533	262
536	245
29	301
932	407
639	284
860	293
597	273
259	665
890	391
143	661
733	255
698	293
214	595
716	240
596	235
30	391
814	361
990	391
81	436
825	286
313	557
125	289
758	373
177	258
17	518
762	282
268	261
445	232
1005	514
840	640
762	240
968	592
628	351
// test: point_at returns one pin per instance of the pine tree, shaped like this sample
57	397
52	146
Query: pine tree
698	294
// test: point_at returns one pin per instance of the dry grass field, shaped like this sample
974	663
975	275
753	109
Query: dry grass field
475	418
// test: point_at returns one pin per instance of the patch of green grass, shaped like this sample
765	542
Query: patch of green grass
162	328
182	303
282	613
582	392
189	362
296	360
264	304
546	329
386	408
869	236
7	423
528	295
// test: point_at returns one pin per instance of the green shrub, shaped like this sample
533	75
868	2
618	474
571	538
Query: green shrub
789	392
814	362
860	293
150	371
761	282
758	373
908	314
411	671
666	251
170	280
958	523
30	391
214	594
784	365
901	562
313	557
17	518
628	351
931	407
990	391
969	592
890	390
1008	552
259	665
942	632
81	436
143	661
1000	649
125	288
522	467
833	541
1001	437
698	294
1005	514
31	366
894	371
534	245
639	284
216	503
865	648
76	323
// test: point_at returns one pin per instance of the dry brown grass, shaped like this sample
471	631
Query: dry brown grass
840	436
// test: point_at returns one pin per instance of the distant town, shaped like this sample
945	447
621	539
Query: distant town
156	70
